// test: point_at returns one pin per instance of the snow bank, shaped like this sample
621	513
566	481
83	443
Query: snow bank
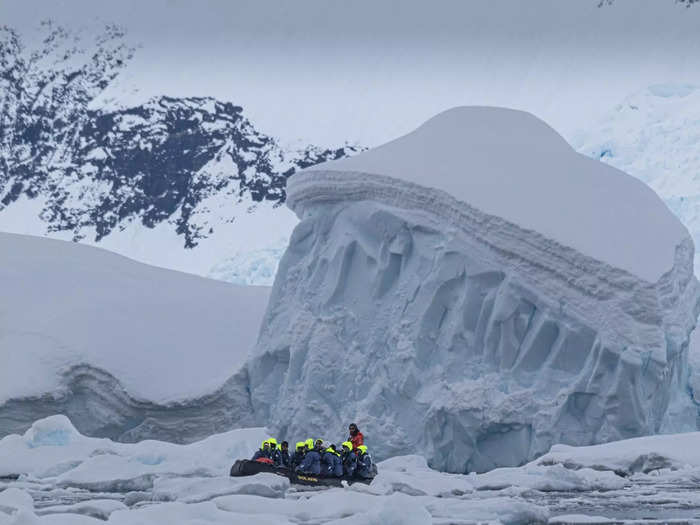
475	292
53	449
111	342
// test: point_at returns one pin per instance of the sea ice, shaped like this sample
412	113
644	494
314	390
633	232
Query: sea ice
65	481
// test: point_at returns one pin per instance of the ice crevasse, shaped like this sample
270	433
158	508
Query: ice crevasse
476	291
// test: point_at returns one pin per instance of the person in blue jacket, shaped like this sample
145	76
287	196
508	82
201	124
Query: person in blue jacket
312	460
283	455
265	450
349	459
331	464
298	455
274	451
364	463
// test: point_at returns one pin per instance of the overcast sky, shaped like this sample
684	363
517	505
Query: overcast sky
327	71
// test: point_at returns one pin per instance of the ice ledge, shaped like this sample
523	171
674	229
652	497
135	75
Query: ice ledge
99	406
606	296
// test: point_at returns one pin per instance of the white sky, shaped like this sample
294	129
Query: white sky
327	71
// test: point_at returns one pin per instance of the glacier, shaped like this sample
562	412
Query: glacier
126	350
475	292
652	135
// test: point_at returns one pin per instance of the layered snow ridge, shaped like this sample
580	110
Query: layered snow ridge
475	292
126	350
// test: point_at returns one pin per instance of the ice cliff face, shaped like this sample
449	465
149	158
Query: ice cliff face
477	291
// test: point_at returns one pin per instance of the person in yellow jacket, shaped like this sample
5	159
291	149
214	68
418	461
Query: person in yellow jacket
267	450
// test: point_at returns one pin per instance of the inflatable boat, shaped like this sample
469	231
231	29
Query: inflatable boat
246	467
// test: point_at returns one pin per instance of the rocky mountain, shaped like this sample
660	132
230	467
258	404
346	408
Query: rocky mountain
159	162
184	169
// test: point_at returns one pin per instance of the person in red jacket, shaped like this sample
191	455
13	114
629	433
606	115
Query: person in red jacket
356	437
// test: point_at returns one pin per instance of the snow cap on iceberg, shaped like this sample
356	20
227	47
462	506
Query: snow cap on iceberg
510	164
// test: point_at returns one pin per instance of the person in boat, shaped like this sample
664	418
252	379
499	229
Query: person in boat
356	437
283	455
348	458
364	463
298	455
331	464
265	450
311	464
274	452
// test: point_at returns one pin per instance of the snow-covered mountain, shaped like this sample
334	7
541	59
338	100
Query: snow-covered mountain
478	291
186	183
180	183
654	135
126	350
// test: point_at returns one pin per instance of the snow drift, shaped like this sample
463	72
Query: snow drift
476	291
124	349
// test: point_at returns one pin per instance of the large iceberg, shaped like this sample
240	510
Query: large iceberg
475	292
126	350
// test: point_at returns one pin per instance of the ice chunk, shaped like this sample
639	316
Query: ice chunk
103	465
53	431
548	479
574	519
13	499
476	292
644	454
193	490
395	510
411	475
196	513
96	508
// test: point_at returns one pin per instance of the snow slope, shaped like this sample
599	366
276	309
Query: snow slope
113	343
458	294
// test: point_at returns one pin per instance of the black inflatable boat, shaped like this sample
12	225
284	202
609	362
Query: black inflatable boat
245	467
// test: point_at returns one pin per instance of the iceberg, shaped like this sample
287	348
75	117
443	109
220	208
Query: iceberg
475	292
126	350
